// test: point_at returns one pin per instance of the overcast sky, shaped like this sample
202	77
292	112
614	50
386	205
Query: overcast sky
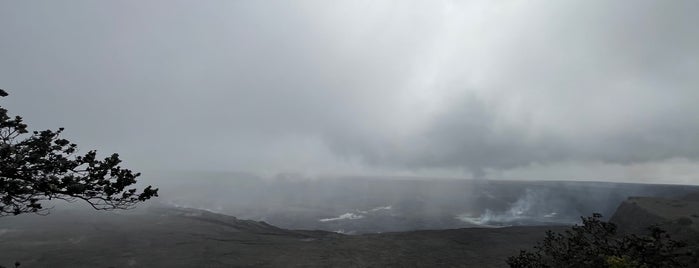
603	90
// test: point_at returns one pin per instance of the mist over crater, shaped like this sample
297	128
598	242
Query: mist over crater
355	205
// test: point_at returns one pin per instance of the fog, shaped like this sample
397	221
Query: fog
316	133
355	205
473	89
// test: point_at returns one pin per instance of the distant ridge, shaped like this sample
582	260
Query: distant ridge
680	217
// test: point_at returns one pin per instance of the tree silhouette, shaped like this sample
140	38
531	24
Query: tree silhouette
596	243
41	165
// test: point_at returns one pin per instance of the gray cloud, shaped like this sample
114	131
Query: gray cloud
353	87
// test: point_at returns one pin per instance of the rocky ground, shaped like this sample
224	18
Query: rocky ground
172	237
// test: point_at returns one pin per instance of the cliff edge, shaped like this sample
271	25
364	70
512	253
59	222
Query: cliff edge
680	217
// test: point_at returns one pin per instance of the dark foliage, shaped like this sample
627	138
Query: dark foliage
596	243
41	165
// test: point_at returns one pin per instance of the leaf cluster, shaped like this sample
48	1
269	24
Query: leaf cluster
41	165
596	243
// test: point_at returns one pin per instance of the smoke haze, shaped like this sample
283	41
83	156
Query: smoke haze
489	89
